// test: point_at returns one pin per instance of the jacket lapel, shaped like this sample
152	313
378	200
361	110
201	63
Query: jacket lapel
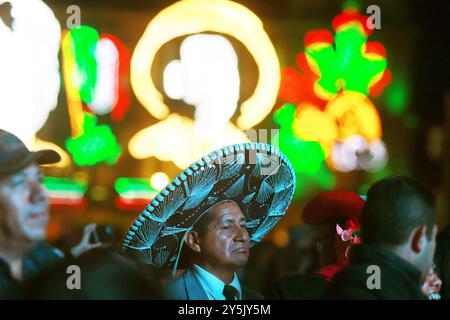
194	289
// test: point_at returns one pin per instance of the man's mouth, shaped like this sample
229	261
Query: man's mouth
241	250
41	216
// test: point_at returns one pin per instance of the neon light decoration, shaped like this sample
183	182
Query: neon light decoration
159	180
29	72
349	113
356	152
348	61
94	69
189	18
133	193
307	157
66	193
330	88
96	144
207	77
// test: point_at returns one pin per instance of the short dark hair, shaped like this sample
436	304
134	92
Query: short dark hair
394	207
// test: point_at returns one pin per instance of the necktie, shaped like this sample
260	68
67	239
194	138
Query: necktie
229	292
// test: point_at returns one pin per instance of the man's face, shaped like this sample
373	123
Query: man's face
24	209
226	241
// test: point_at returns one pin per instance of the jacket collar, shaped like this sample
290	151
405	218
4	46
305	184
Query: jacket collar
365	253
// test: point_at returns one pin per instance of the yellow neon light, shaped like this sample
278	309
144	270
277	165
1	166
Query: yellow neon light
74	104
348	114
178	141
159	180
355	115
196	16
312	124
65	158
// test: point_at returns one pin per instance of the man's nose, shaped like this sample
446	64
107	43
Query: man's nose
38	192
242	234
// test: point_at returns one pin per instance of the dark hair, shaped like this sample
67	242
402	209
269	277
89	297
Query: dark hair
394	207
442	261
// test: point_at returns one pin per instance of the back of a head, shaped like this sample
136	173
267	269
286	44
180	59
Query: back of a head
395	206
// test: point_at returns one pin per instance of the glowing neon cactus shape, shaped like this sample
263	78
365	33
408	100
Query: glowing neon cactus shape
96	144
348	61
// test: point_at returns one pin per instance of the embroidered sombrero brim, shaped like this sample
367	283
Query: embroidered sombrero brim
258	177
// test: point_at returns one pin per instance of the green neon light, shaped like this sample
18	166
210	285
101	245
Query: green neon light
311	152
84	41
411	120
345	67
97	144
56	184
397	96
307	157
125	185
354	4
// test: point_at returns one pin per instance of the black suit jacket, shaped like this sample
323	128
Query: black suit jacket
298	287
188	287
399	280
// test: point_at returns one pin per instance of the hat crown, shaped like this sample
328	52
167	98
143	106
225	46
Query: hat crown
10	147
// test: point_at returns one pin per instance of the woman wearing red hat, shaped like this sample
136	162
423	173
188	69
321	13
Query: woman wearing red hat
334	217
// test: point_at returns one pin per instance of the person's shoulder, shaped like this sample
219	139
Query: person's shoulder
251	294
298	286
350	283
175	289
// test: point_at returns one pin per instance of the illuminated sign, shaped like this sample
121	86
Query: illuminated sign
134	193
96	144
191	18
94	66
66	192
29	72
330	92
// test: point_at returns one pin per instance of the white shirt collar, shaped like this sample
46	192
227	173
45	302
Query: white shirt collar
213	285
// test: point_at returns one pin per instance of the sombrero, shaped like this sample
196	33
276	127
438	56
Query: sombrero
258	177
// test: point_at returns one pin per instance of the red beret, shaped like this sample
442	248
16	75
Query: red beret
329	207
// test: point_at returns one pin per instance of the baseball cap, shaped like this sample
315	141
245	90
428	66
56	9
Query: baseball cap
14	155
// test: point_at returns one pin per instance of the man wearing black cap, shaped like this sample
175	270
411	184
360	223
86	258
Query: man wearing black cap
24	216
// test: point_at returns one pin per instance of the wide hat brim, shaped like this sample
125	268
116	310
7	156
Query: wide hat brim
258	177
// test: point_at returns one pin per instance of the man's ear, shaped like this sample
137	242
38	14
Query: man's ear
192	241
419	239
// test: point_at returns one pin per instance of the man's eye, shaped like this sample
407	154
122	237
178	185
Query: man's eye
227	227
244	226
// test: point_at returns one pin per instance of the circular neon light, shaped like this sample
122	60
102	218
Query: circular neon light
196	16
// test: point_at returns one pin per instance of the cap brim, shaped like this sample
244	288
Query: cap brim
46	156
39	157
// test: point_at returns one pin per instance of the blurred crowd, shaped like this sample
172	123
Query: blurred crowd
330	257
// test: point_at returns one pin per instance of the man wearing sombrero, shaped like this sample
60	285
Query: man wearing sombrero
217	208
